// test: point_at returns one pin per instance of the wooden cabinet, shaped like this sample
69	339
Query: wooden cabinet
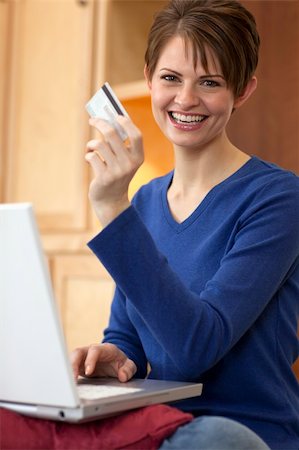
53	56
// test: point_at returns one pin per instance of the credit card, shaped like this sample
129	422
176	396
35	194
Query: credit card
105	105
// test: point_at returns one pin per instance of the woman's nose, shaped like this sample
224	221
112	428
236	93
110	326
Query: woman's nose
187	97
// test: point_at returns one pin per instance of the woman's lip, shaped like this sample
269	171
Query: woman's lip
187	126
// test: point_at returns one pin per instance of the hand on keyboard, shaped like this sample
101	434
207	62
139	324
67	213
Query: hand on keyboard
102	360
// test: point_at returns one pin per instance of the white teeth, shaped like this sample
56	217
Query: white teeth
187	118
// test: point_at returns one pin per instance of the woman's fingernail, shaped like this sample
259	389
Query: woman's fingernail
87	370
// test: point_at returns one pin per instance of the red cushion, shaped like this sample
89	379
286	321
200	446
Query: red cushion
144	428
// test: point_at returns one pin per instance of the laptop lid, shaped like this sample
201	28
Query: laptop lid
32	345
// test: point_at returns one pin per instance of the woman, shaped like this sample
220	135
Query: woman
205	259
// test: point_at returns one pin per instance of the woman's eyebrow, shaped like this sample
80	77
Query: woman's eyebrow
171	70
212	75
207	75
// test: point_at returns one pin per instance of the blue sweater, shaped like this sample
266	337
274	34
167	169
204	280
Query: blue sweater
215	298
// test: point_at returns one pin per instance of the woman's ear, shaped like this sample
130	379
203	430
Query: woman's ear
146	76
249	89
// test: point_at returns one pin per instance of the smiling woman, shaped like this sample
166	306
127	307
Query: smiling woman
212	246
204	258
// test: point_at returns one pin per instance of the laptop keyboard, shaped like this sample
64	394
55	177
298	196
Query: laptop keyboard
92	391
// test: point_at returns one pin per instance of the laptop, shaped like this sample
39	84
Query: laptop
36	376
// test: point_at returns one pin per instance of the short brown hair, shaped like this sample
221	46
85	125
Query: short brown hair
224	26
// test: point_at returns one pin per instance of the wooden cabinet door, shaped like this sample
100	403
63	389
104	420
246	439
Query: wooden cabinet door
50	75
84	291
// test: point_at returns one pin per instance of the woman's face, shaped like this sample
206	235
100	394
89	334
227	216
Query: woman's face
192	107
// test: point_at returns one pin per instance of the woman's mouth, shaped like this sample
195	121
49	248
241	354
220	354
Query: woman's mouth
186	121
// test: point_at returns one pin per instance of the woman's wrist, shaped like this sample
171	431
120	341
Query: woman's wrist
107	212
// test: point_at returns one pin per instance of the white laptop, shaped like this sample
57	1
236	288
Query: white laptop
36	377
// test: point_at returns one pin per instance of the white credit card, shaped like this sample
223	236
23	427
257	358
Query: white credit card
105	105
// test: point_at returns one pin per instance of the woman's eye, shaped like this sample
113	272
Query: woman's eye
169	77
210	83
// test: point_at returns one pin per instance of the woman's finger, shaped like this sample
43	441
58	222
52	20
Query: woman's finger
127	370
77	358
96	161
103	151
107	131
135	141
102	354
111	137
92	358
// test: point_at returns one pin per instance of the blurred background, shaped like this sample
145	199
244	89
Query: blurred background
54	54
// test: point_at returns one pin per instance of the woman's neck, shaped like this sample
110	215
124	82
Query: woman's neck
205	168
197	172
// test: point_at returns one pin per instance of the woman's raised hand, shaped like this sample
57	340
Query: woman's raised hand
102	360
114	164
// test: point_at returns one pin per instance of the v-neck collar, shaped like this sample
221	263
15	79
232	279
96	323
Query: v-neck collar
180	226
